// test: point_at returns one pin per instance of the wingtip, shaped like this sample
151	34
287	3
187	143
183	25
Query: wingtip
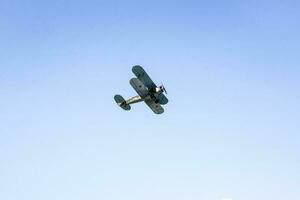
116	97
136	67
159	113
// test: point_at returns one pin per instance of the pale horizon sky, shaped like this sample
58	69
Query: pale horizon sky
231	128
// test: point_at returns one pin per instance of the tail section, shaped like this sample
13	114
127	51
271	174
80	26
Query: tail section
121	102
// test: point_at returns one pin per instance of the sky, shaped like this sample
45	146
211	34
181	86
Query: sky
230	131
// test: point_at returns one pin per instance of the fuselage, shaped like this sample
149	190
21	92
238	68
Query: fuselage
151	95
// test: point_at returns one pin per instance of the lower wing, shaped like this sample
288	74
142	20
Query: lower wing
162	99
155	107
139	87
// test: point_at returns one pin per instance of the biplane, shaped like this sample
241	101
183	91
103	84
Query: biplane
147	91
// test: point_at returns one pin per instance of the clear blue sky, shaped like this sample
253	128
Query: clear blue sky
231	129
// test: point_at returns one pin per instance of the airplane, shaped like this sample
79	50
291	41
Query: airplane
147	91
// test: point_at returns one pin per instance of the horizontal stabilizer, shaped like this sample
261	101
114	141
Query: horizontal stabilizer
121	102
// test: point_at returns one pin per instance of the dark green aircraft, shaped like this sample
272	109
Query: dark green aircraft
147	91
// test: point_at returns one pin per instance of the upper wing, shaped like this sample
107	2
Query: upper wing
155	107
139	87
162	99
143	77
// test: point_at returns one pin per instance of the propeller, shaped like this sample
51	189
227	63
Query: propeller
163	88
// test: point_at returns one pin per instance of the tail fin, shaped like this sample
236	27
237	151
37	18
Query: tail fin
121	102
